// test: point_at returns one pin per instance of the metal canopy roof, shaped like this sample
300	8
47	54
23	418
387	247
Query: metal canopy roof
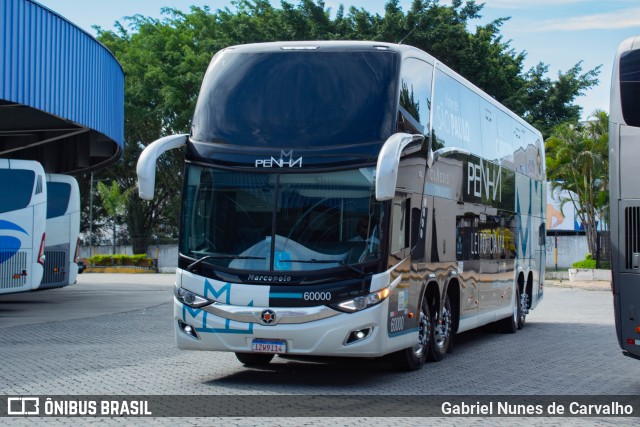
61	92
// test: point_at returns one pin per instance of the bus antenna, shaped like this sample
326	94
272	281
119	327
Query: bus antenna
410	32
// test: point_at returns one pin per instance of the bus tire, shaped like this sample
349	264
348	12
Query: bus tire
441	332
510	324
413	358
254	359
523	308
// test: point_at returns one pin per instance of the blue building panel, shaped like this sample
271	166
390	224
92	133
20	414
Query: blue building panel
48	65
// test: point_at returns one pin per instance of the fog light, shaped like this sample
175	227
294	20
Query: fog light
188	330
358	335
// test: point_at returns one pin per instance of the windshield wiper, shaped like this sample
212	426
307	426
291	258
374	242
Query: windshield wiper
325	261
207	257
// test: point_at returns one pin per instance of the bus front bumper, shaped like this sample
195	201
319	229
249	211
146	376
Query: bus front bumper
336	335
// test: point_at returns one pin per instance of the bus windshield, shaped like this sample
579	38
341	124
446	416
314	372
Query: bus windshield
16	189
282	222
59	194
297	99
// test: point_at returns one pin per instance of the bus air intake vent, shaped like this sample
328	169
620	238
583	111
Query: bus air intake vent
11	269
632	238
54	267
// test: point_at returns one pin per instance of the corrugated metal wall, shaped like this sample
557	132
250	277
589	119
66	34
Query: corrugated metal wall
49	64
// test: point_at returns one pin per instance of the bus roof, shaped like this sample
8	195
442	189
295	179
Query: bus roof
405	51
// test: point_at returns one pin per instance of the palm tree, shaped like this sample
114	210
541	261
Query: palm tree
577	161
597	129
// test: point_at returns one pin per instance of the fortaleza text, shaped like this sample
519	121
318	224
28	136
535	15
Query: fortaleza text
507	408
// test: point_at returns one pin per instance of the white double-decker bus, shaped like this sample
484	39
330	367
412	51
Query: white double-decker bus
63	230
23	206
353	199
624	194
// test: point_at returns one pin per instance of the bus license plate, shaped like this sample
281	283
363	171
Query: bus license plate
269	346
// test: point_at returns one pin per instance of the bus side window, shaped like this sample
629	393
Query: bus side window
400	225
414	110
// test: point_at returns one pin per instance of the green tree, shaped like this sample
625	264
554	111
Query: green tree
113	201
597	129
547	103
577	161
164	61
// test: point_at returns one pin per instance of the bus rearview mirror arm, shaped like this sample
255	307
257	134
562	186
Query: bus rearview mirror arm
388	162
448	150
146	167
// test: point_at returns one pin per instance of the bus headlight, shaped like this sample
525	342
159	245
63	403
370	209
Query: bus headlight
190	298
360	303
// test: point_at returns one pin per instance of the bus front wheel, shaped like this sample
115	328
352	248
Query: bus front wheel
412	359
254	359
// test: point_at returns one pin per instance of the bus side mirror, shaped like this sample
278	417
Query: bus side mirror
388	162
146	167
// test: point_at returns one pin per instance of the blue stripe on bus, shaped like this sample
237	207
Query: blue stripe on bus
406	331
284	295
6	225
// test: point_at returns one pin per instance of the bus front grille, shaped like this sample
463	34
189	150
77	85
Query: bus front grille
632	237
55	271
11	270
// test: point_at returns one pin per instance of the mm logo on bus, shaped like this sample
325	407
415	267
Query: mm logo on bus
286	160
483	180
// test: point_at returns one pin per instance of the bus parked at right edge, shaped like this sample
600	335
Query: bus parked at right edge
624	194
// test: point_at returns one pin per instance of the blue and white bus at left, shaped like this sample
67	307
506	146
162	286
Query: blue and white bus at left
23	209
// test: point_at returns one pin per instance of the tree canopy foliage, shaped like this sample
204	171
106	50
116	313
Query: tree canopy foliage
114	201
164	61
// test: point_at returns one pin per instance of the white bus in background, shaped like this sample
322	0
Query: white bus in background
23	206
63	230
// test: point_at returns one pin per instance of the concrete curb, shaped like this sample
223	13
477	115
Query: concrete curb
121	270
589	285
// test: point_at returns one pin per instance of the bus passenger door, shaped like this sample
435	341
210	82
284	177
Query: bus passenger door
403	299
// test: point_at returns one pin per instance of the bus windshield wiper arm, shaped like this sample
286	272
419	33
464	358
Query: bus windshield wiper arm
207	257
325	261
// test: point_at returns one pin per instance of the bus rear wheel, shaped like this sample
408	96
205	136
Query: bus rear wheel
441	336
510	324
523	302
254	359
412	359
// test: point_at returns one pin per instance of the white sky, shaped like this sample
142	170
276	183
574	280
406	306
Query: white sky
559	33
